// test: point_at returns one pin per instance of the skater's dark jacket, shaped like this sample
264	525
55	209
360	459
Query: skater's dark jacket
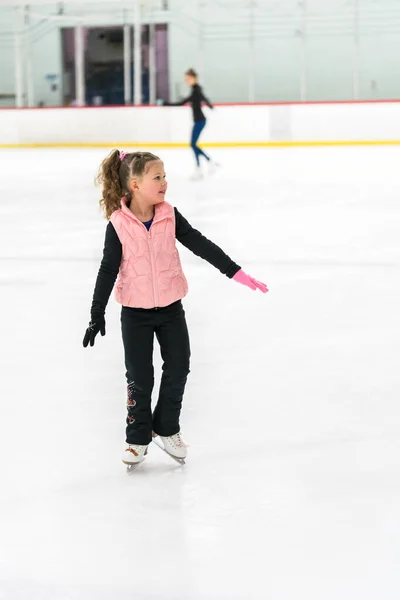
195	99
188	236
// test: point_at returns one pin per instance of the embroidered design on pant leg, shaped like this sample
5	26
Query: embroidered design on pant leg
131	403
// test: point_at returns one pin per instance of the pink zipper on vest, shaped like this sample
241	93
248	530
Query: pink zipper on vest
153	269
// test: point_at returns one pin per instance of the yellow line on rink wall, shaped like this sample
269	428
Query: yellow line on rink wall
126	145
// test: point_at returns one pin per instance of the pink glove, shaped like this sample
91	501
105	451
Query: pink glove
244	279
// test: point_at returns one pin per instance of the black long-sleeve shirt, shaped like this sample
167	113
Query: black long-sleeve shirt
188	236
195	99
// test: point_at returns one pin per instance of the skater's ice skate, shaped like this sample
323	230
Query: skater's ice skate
133	456
172	445
197	175
212	167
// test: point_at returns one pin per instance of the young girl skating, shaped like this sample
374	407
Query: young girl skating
196	98
140	249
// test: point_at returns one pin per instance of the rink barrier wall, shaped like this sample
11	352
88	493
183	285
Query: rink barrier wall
130	144
237	125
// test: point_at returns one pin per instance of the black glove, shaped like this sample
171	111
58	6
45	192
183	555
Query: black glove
96	324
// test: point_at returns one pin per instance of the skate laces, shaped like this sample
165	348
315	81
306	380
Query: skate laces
135	449
178	441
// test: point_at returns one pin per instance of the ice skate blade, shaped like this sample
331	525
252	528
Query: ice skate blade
130	467
180	461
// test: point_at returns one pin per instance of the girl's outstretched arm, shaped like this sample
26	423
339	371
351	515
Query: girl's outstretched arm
205	99
181	102
197	243
203	247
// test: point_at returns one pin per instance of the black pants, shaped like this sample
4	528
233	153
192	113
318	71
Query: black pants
138	329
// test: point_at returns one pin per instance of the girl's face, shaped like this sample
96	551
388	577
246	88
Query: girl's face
190	80
152	186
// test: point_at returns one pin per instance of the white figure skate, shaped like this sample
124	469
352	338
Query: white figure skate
133	456
197	175
212	167
172	445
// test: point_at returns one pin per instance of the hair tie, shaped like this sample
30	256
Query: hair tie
122	155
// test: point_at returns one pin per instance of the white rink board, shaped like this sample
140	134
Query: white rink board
258	124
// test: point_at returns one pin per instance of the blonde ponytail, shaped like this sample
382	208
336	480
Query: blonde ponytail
114	176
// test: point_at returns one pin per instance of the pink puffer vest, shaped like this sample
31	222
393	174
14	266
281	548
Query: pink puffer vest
150	275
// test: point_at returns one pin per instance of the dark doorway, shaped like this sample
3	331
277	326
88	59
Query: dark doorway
104	65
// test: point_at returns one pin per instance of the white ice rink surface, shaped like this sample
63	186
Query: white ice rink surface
291	490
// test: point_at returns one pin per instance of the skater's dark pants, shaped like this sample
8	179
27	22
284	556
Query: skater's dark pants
138	329
197	129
